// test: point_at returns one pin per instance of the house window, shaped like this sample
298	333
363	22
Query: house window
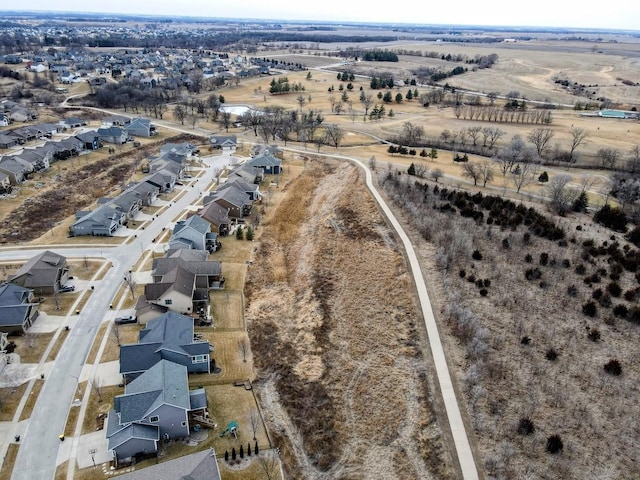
199	358
168	301
154	419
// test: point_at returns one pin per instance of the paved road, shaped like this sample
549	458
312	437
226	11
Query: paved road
456	424
37	455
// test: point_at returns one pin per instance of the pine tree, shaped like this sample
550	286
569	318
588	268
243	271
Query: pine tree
256	449
239	233
226	455
248	449
241	451
412	169
233	453
249	234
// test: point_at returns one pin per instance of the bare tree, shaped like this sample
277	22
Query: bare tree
128	279
269	464
411	134
608	157
179	113
578	137
301	99
472	171
254	421
561	197
243	348
540	137
373	163
491	135
96	385
524	174
366	100
508	157
474	132
634	158
115	334
486	172
436	174
30	337
333	135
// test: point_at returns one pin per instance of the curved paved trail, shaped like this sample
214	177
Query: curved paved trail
456	424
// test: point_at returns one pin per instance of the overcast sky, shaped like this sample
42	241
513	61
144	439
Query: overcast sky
615	14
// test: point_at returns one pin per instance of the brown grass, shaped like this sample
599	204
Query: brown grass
91	358
10	399
228	357
58	345
32	354
128	334
9	460
31	401
227	310
95	406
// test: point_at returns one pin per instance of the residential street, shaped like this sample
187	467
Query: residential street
38	453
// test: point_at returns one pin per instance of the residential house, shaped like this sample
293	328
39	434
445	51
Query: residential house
147	193
169	337
116	135
185	149
164	181
251	189
267	163
194	232
18	309
234	200
127	202
5	183
102	222
155	406
73	122
146	311
248	173
16	170
225	142
5	121
202	465
116	121
141	127
34	159
217	216
8	141
44	273
182	280
97	81
90	140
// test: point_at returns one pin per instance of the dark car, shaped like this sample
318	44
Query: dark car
125	320
67	288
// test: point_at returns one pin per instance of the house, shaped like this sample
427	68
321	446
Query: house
35	159
169	337
235	201
90	140
18	310
102	222
147	193
5	121
44	273
217	216
127	202
182	280
267	163
251	189
115	135
8	141
248	173
155	406
146	311
184	149
202	465
73	122
163	181
16	170
116	121
194	232
141	127
5	183
225	142
97	81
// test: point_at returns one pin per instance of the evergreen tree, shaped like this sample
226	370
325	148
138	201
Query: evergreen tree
233	453
239	233
412	169
249	234
398	97
248	449
409	95
256	449
226	455
391	114
544	177
241	451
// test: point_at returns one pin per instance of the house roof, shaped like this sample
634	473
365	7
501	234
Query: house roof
177	279
215	213
194	222
164	266
120	435
41	270
88	137
233	196
198	466
13	306
264	159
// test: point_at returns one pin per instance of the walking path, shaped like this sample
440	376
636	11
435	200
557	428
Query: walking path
456	424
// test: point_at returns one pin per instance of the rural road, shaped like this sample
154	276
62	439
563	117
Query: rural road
38	452
456	424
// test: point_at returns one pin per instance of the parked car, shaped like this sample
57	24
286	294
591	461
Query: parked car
67	288
125	320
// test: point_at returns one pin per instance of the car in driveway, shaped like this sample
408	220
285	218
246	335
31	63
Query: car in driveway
67	288
125	320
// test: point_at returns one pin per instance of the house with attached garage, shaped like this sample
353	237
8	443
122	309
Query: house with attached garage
90	140
251	189
156	406
18	309
194	232
268	163
16	170
171	337
8	141
102	222
147	193
236	201
248	173
127	202
115	135
163	181
217	216
224	142
44	273
141	127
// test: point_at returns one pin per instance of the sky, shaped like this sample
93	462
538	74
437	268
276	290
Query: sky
613	14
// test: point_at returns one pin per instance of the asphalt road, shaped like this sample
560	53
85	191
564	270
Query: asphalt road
38	453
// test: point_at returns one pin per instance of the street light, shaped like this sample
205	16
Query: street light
92	452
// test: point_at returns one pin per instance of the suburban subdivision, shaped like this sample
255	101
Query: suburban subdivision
267	250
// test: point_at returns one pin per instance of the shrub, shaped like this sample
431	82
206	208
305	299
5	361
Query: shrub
487	283
593	335
476	255
613	367
554	444
634	236
526	426
634	315
528	258
630	295
572	291
525	340
544	259
533	274
462	273
551	355
589	309
597	293
613	218
614	289
505	243
605	301
483	292
581	269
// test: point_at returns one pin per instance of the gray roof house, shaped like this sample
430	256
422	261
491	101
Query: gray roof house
44	273
251	189
223	141
217	216
127	202
16	170
114	135
248	173
8	141
266	162
176	290
141	127
168	337
155	406
17	308
90	140
147	193
233	199
163	180
101	222
194	232
202	465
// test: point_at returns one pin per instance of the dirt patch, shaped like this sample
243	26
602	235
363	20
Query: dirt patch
332	322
